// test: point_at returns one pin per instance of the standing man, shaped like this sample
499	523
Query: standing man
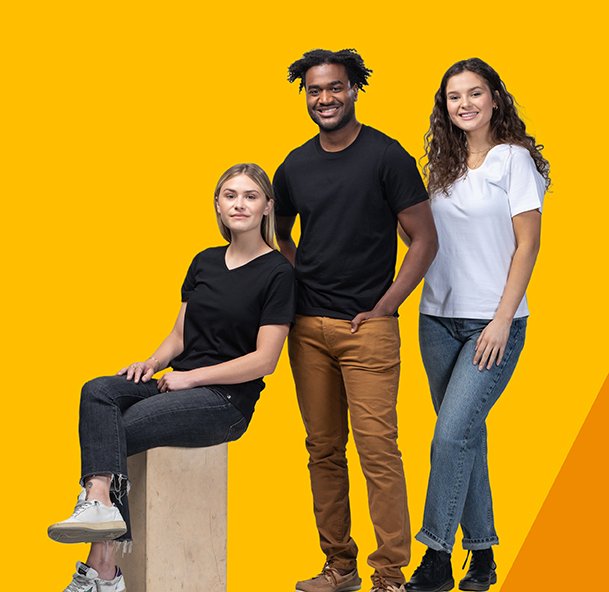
350	185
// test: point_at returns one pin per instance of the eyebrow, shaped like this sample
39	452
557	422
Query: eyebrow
235	191
333	83
448	92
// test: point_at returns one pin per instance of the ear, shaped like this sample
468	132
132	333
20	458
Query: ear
355	92
270	204
495	105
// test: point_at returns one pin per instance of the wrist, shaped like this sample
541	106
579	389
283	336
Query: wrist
383	309
156	363
503	318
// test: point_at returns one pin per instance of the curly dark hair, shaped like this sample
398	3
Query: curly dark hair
446	144
349	58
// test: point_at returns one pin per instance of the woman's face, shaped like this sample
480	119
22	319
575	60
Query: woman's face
469	102
242	204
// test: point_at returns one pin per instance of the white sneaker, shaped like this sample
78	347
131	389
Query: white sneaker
91	521
86	580
115	585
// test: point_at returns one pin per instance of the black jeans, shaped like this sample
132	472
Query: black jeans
119	418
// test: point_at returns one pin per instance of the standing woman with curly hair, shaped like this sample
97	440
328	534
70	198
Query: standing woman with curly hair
487	179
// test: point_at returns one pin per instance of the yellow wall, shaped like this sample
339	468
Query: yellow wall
117	119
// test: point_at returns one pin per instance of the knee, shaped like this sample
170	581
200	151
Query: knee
98	388
326	449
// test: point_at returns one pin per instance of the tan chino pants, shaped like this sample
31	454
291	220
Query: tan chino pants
337	372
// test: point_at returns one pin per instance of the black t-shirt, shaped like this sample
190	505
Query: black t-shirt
225	310
348	203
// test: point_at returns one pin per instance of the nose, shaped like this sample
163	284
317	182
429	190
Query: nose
325	96
239	203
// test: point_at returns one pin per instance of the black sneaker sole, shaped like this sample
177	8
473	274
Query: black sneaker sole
443	587
478	587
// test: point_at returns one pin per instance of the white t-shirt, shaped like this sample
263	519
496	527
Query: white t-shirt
476	236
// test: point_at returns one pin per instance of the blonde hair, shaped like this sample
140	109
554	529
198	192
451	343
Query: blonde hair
258	176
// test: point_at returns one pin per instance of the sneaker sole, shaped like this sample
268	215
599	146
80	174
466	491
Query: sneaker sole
471	586
445	587
353	588
87	533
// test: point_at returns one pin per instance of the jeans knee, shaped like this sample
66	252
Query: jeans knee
97	388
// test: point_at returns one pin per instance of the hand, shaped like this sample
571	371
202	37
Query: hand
139	370
175	381
490	346
364	316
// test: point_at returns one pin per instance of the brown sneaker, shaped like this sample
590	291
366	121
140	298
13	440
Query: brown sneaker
380	584
331	580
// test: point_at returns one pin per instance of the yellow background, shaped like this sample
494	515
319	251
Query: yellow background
117	119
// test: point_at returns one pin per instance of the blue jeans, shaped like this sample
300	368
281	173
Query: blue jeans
459	489
119	418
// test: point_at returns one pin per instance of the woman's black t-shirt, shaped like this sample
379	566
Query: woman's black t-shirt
226	307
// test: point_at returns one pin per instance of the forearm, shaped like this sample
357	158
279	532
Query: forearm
242	369
287	247
416	262
171	346
518	279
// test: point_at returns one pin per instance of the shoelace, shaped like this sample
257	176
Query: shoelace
425	564
330	574
380	584
79	584
83	505
466	558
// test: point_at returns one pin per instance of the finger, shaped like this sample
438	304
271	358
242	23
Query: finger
137	373
129	372
121	371
148	375
500	356
161	384
485	354
492	357
355	323
479	351
479	340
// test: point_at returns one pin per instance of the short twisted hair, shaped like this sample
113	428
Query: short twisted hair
349	58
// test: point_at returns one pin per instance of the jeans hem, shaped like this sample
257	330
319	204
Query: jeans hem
119	485
432	541
479	544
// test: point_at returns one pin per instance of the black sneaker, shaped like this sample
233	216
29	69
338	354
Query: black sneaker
481	574
434	574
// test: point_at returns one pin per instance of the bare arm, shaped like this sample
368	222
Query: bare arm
287	247
260	362
493	339
417	223
170	347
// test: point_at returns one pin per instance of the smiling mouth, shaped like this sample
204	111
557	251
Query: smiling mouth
468	115
328	111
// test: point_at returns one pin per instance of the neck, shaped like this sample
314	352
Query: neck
247	244
479	141
337	140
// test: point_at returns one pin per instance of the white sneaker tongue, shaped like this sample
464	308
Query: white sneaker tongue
84	570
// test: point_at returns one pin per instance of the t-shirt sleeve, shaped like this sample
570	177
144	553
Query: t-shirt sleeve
280	299
401	179
190	280
526	186
283	201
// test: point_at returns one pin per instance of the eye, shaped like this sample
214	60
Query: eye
313	92
337	89
476	93
453	98
251	196
229	195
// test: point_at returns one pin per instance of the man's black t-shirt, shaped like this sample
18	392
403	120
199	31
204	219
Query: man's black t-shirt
225	310
348	203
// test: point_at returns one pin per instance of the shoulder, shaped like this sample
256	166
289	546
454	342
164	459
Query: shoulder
390	149
301	152
209	254
277	264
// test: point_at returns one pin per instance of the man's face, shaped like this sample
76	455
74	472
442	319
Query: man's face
330	96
